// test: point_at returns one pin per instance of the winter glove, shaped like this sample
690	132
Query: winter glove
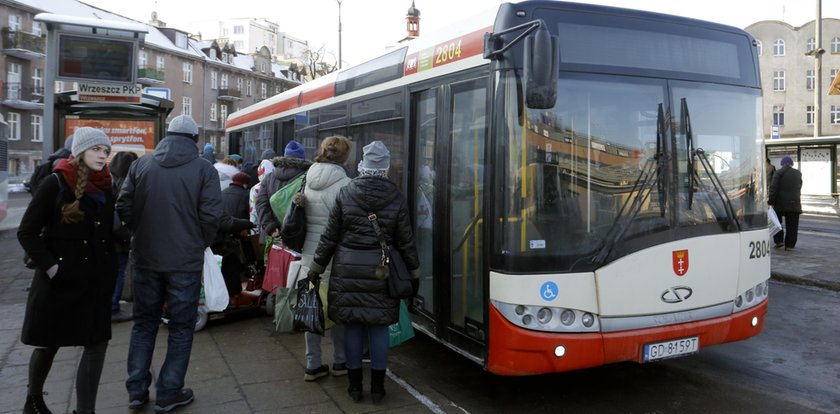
313	276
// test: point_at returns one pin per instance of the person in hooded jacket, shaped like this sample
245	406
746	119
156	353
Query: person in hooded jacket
264	170
69	300
358	299
292	164
785	197
172	202
323	181
235	204
209	153
122	236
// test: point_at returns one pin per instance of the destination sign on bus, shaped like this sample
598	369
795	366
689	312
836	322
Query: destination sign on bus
446	52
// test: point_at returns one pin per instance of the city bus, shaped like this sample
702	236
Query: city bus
587	181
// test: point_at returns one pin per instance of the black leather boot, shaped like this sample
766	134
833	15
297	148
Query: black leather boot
35	405
377	385
355	389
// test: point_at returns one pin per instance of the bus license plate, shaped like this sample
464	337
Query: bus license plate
671	349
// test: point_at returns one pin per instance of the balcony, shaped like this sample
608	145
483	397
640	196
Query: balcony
22	45
149	76
229	94
23	96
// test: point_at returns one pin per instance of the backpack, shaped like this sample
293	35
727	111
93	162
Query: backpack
44	170
62	187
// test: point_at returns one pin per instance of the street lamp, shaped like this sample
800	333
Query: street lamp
339	32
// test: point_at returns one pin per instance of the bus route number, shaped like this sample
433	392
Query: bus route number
759	249
447	52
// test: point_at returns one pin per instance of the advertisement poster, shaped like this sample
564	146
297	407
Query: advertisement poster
134	136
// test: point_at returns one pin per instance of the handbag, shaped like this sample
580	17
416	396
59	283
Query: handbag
398	276
401	330
215	292
293	227
309	311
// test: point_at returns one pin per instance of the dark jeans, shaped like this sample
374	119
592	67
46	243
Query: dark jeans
151	289
122	262
788	236
354	339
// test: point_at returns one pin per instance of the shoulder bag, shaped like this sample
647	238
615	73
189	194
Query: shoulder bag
399	279
293	227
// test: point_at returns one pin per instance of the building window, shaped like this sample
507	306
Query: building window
238	29
809	80
14	23
835	45
160	64
187	72
276	89
181	40
812	44
225	57
36	29
187	102
142	59
778	47
223	115
778	114
213	111
779	80
835	115
832	75
214	80
248	88
757	44
262	67
213	54
38	81
37	131
224	81
14	126
809	115
239	84
263	90
239	44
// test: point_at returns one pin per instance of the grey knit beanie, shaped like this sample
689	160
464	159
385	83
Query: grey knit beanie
375	156
86	138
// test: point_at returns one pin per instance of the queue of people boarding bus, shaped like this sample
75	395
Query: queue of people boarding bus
90	220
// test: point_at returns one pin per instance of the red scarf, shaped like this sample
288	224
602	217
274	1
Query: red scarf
97	180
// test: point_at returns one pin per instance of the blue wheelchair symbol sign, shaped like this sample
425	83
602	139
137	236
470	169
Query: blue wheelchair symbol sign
548	291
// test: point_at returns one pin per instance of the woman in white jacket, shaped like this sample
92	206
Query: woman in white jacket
323	180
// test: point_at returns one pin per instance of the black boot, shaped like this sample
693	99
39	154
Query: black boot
355	389
35	405
377	385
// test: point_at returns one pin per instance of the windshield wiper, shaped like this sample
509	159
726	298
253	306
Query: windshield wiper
693	176
652	170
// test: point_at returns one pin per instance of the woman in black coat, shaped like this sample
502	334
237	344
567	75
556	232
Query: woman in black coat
67	232
358	298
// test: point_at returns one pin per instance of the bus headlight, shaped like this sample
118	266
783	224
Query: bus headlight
548	319
751	297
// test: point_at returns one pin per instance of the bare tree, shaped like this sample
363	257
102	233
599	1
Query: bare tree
318	62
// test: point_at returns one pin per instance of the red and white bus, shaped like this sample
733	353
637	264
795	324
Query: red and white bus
570	211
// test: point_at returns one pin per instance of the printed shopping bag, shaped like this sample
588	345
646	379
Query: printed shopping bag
215	292
286	300
309	312
402	330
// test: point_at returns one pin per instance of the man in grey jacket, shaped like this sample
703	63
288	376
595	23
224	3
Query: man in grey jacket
172	202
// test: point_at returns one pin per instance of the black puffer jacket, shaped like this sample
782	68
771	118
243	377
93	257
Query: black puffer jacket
355	294
785	190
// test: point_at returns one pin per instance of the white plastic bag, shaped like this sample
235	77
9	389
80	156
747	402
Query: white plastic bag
215	292
773	222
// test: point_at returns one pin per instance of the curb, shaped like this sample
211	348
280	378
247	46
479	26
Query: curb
805	281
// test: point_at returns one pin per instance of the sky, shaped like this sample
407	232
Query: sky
369	26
